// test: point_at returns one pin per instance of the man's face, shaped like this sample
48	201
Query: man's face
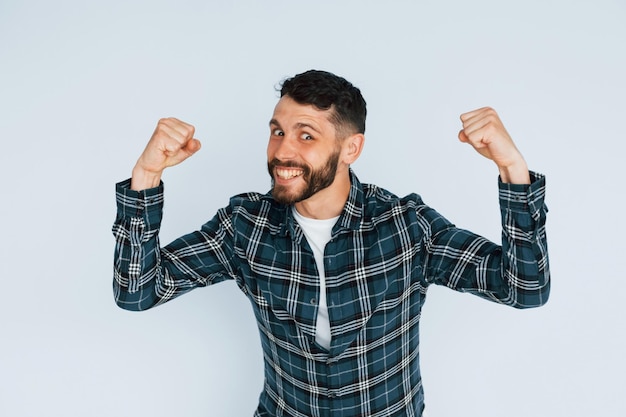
303	152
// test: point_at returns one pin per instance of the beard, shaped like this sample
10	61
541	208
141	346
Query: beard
315	179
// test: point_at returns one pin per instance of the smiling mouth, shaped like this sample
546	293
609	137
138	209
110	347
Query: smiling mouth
288	173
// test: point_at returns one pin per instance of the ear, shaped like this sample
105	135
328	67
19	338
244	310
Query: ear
352	147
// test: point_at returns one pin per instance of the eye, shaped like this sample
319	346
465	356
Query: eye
306	136
278	132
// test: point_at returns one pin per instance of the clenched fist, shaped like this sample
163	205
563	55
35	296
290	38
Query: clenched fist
484	130
171	143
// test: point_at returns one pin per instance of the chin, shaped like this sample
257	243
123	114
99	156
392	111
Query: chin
282	195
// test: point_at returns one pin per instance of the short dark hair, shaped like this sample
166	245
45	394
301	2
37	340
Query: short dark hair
325	91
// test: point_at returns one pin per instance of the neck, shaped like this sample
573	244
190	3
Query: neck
329	202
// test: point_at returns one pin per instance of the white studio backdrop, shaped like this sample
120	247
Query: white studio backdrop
82	85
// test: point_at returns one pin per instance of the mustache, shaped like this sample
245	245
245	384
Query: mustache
287	164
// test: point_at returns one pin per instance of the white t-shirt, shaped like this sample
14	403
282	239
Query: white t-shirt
317	233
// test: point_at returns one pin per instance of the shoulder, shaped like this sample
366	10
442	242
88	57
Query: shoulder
253	208
250	199
382	206
253	203
378	200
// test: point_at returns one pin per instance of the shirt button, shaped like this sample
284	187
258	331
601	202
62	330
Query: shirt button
313	301
332	394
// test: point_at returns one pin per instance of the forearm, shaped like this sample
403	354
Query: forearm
525	264
136	274
137	268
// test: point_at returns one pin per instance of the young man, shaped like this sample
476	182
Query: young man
336	270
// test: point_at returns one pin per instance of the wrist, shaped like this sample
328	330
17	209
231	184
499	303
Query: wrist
515	173
142	179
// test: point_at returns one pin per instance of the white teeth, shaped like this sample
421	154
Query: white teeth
288	173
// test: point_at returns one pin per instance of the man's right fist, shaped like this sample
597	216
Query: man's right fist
171	143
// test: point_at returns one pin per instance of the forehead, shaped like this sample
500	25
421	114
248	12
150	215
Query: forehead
289	111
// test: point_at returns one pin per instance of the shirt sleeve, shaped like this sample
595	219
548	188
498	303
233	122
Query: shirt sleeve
146	275
515	273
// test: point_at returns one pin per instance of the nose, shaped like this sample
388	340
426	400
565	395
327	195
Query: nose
282	148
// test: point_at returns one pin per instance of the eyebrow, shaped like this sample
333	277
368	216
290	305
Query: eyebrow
297	125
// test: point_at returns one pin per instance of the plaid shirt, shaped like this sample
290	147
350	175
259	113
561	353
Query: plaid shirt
384	253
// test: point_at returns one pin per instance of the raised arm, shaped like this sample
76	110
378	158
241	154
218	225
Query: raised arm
516	272
146	275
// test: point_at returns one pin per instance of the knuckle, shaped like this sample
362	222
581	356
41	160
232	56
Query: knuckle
162	124
491	114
